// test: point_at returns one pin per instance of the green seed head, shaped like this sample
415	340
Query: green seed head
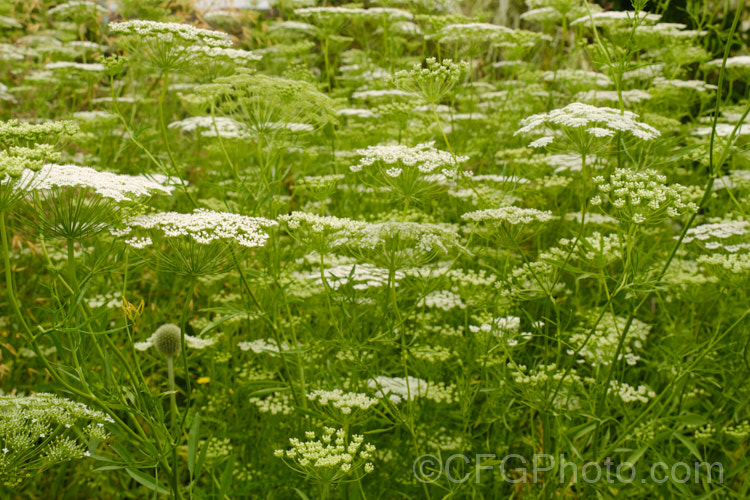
167	339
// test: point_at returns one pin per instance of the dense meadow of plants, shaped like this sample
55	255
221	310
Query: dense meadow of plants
370	251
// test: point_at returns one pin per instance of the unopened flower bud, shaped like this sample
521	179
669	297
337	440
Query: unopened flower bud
167	339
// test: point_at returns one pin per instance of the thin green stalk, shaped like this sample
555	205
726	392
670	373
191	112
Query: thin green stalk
173	426
165	136
183	325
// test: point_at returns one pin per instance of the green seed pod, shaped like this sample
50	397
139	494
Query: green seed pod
167	339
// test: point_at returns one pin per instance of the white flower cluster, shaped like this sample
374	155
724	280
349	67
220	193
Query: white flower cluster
663	32
687	279
601	347
279	403
739	431
117	187
564	162
420	237
597	121
554	10
719	230
499	326
424	157
473	31
630	394
432	353
386	13
635	96
592	218
344	401
616	17
292	26
507	327
728	266
697	85
646	72
53	409
320	187
169	31
357	112
510	215
442	299
732	62
95	116
398	389
379	93
578	77
229	128
43	429
540	375
537	381
205	226
724	130
237	56
9	23
321	233
432	82
263	345
642	197
375	13
320	223
19	160
598	250
360	276
332	458
112	300
328	12
736	179
208	126
531	279
92	67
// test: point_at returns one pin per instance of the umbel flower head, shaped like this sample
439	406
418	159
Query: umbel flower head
334	457
18	133
198	242
18	159
393	245
408	173
116	187
585	125
219	61
73	202
322	234
432	82
202	226
641	197
510	223
167	45
268	105
41	430
171	31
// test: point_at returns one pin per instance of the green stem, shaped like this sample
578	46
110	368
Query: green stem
174	427
165	136
72	268
172	394
183	325
329	82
